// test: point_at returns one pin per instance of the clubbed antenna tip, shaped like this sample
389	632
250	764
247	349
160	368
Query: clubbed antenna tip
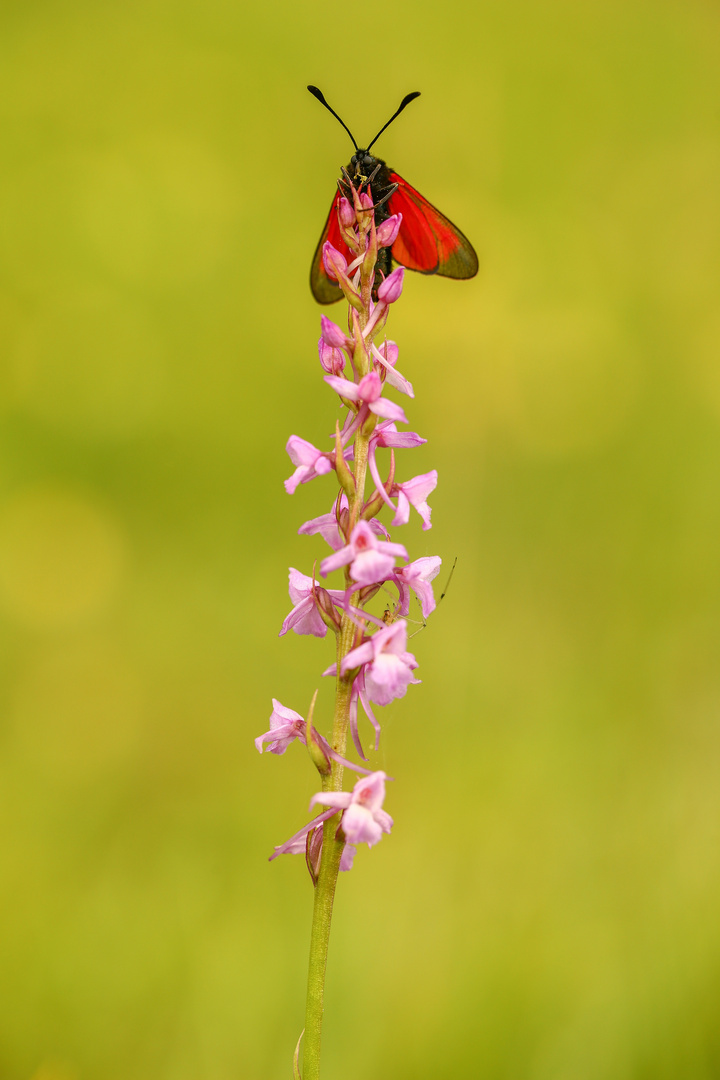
321	98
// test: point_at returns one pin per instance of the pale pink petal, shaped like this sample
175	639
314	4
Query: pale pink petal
281	714
371	566
362	655
296	844
388	410
386	434
417	575
299	585
340	558
294	481
399	382
347	857
280	738
428	566
344	387
304	619
417	491
390	548
326	525
380	487
424	593
337	799
362	694
403	510
360	826
387	678
300	451
370	791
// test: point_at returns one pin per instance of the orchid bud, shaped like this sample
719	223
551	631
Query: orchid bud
346	213
388	230
389	351
313	851
332	335
365	201
317	751
332	360
334	262
367	593
326	609
391	288
343	520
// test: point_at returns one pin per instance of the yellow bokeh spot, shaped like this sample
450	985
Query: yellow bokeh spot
54	1070
159	210
573	380
91	362
60	557
76	707
703	353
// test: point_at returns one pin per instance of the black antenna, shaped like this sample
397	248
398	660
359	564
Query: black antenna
321	98
405	101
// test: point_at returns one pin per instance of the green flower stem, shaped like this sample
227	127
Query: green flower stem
331	848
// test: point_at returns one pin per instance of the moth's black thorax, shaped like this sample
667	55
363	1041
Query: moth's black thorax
362	165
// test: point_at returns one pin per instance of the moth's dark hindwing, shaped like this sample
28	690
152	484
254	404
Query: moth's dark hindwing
323	288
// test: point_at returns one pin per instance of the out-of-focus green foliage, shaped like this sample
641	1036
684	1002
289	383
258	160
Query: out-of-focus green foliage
547	905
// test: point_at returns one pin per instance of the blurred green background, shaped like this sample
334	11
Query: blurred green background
547	905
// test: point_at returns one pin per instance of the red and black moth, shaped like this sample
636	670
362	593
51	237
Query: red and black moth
427	241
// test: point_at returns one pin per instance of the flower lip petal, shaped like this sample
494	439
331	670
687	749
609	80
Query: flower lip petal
344	387
285	714
360	826
388	410
363	654
300	585
371	566
337	799
300	451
